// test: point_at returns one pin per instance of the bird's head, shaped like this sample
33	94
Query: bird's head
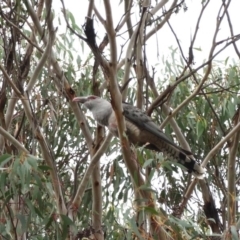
88	101
100	108
85	99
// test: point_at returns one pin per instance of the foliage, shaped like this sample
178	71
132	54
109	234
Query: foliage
47	142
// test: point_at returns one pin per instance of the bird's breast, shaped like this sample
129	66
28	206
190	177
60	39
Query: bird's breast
112	124
133	133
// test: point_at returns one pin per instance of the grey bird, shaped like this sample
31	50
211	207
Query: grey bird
141	131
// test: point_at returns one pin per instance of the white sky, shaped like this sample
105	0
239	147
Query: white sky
183	23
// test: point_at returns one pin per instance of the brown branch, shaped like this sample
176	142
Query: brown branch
208	158
231	30
197	25
24	70
187	100
130	50
127	7
90	8
232	173
100	18
220	144
190	61
10	82
61	82
139	56
45	150
21	33
97	197
161	24
126	18
117	106
236	38
13	140
215	149
82	186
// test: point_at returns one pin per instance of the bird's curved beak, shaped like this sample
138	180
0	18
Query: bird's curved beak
79	99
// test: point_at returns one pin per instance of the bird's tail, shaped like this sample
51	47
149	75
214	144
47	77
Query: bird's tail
182	156
187	160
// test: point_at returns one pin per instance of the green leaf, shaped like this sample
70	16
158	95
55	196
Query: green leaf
231	108
147	188
3	181
23	225
198	49
226	61
134	228
151	210
44	168
147	163
201	125
32	162
67	222
71	17
5	158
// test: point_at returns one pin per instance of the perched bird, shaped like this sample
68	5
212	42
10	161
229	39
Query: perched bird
140	129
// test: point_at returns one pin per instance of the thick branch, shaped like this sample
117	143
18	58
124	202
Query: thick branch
232	175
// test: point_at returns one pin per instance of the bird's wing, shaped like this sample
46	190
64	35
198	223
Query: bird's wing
144	122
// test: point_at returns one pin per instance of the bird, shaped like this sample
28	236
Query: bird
141	131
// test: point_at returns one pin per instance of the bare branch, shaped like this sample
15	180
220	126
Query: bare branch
22	34
127	17
90	8
94	160
173	113
231	30
10	82
232	173
13	140
101	19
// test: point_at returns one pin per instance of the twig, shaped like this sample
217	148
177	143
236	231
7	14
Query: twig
99	16
22	34
13	140
68	25
199	87
231	31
